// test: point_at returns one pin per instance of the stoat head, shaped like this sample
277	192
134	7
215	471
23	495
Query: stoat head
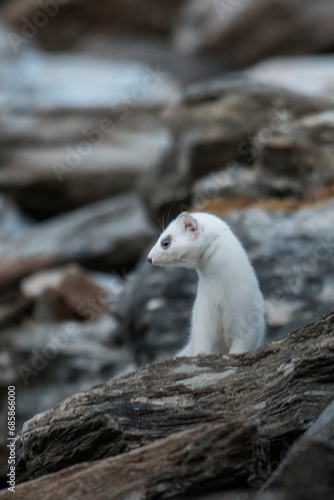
180	245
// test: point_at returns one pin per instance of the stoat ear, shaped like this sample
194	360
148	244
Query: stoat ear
189	223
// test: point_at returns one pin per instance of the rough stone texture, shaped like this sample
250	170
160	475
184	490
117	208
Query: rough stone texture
218	125
283	386
75	18
210	456
109	234
308	75
46	180
50	362
301	151
66	293
292	252
307	471
63	144
244	32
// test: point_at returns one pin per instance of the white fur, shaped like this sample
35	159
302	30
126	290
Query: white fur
228	314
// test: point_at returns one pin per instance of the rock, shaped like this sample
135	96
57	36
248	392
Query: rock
73	145
50	362
219	123
46	181
13	307
12	222
302	151
67	21
312	75
267	386
154	310
205	458
291	250
107	236
307	472
246	32
67	293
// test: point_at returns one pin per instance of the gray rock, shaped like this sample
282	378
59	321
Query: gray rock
66	293
220	123
12	221
107	235
75	19
308	75
246	32
201	459
50	362
301	151
46	180
77	128
267	386
307	471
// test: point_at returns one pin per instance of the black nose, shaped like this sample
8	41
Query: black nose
149	260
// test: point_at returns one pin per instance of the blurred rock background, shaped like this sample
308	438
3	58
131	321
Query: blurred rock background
116	116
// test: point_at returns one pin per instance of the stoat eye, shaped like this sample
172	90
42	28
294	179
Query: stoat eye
166	242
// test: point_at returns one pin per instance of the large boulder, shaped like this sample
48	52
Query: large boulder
244	32
309	75
108	235
73	144
267	386
60	24
218	124
49	362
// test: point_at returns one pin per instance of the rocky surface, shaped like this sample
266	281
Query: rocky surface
245	32
225	451
101	144
309	75
177	395
222	125
51	361
72	19
111	233
306	472
72	145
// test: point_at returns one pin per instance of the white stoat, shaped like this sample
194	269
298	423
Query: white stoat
228	314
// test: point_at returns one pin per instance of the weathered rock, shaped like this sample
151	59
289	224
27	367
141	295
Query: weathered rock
292	252
46	180
245	32
154	310
106	235
268	386
66	293
205	458
71	19
12	222
307	471
218	123
13	307
63	144
301	151
313	75
50	362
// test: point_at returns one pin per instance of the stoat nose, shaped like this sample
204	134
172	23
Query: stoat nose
149	259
